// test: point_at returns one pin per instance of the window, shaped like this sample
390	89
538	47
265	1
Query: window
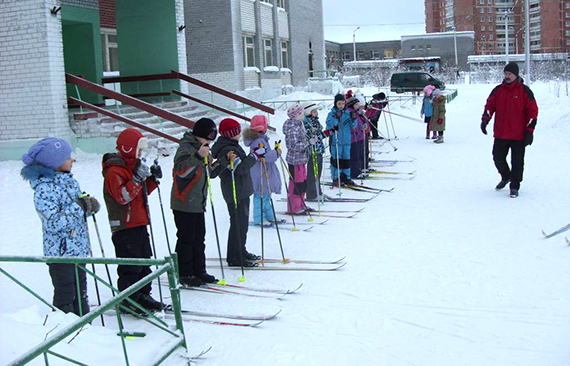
490	28
346	56
428	47
489	10
248	52
482	2
482	28
375	55
482	9
413	48
490	19
490	37
568	24
567	6
361	55
489	2
483	37
388	53
568	42
567	33
284	54
109	50
482	19
268	52
281	3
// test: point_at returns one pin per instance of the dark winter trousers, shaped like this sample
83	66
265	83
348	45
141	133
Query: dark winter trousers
374	127
190	245
132	243
239	224
356	158
500	151
65	296
312	183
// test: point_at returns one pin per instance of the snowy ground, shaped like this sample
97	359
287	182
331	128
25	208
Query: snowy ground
443	271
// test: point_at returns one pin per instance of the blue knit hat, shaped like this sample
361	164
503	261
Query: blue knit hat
50	152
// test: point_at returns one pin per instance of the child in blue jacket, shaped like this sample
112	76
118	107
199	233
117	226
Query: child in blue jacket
63	211
339	120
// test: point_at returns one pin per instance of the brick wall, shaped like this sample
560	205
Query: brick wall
181	43
266	19
32	71
247	14
283	24
107	11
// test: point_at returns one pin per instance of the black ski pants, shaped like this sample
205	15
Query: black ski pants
238	224
314	183
65	295
501	149
190	245
132	243
374	128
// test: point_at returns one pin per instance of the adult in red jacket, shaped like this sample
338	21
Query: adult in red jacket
125	178
515	111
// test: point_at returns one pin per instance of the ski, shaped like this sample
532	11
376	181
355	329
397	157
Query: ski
218	322
352	188
374	171
293	268
287	225
351	200
554	233
227	316
275	260
331	215
270	290
336	211
220	290
390	178
298	223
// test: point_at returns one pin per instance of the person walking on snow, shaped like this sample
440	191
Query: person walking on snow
515	110
437	123
427	108
127	182
62	210
297	158
339	122
188	202
256	137
315	136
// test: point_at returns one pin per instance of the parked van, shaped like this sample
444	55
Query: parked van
413	82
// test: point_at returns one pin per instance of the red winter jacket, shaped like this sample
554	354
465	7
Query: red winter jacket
515	109
124	199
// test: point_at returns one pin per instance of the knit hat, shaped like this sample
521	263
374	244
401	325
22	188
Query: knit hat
129	142
351	102
360	98
205	128
50	152
512	67
428	90
229	128
339	97
295	111
310	107
436	93
259	123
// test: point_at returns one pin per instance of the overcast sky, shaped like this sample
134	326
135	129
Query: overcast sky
379	20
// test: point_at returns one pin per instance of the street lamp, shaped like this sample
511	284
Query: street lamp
455	45
354	42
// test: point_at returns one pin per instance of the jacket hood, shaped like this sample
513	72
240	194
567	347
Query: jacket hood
32	173
250	135
223	143
113	159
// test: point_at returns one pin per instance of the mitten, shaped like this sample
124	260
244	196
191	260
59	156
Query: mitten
85	203
440	121
484	123
141	173
528	138
156	171
95	205
363	127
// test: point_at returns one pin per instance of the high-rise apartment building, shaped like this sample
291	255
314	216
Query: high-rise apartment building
498	22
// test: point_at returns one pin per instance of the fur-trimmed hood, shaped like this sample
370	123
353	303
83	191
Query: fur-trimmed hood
36	172
250	135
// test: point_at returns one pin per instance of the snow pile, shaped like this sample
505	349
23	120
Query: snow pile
442	271
329	86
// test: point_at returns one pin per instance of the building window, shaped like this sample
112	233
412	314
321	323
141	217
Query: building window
568	33
489	2
388	53
490	37
483	37
109	50
568	42
248	52
281	3
361	55
490	19
482	2
482	10
268	52
482	19
490	28
428	47
346	56
284	54
482	28
413	48
375	55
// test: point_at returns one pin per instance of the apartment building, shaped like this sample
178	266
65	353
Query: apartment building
338	53
498	22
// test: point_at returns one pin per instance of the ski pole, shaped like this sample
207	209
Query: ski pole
145	195
302	200
399	115
274	213
236	214
286	189
387	140
102	251
391	121
338	163
206	163
162	211
92	268
261	209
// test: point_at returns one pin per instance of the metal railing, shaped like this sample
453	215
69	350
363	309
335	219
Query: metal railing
166	266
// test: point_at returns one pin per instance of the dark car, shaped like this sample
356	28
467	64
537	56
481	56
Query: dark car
413	82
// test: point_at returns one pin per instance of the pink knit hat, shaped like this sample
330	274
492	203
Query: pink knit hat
259	123
295	111
428	90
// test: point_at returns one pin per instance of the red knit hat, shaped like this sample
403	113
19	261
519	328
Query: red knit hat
129	142
259	123
229	128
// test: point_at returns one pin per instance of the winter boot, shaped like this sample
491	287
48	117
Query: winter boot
151	304
207	278
246	264
434	136
191	281
514	193
252	257
502	184
427	135
438	140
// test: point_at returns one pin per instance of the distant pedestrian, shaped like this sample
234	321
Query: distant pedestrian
437	124
515	111
427	108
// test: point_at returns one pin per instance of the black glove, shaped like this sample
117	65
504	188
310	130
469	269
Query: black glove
89	204
334	128
141	173
484	123
156	171
528	137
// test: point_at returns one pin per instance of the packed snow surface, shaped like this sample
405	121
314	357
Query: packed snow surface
442	271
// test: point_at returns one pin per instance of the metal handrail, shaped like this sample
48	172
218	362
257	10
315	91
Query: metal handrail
167	265
226	111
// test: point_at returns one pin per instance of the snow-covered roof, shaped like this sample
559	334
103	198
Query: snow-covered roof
371	63
516	57
439	35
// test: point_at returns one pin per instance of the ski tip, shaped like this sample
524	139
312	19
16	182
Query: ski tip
295	290
545	234
567	241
